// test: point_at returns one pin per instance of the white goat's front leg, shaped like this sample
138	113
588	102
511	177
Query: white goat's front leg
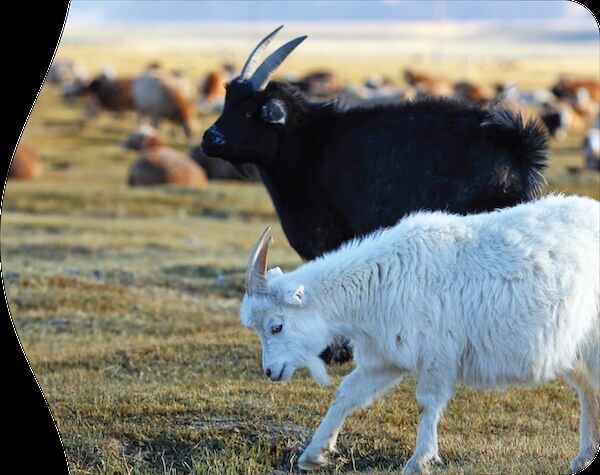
589	420
358	389
433	392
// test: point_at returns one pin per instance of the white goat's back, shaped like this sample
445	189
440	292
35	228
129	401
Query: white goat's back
529	292
510	296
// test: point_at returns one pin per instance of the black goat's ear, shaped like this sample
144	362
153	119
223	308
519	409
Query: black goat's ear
274	111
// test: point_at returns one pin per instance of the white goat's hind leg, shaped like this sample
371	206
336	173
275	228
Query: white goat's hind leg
589	420
358	389
432	395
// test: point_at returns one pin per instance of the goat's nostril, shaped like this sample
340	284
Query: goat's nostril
268	372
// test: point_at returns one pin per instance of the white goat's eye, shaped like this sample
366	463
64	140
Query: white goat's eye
276	329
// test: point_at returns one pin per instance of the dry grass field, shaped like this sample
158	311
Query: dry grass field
126	300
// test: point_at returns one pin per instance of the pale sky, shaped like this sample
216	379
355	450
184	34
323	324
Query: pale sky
128	11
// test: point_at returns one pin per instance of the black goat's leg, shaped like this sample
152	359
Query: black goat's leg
339	351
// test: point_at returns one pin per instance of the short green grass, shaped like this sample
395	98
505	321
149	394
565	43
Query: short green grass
126	303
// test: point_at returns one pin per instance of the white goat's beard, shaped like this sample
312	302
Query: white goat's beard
317	369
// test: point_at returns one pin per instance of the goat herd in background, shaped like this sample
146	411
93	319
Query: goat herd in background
160	94
481	289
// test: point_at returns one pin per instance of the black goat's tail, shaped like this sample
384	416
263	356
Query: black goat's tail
528	143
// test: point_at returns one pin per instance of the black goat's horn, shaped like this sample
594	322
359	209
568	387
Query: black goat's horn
263	74
252	61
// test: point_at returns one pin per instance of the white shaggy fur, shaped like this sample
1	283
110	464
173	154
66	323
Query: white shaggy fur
494	299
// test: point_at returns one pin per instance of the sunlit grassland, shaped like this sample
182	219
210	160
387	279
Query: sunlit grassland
126	303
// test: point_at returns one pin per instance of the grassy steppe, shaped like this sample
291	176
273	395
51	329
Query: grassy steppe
126	301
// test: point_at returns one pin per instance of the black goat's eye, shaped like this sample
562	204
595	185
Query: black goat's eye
248	115
276	329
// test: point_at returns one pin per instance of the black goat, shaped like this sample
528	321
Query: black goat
338	172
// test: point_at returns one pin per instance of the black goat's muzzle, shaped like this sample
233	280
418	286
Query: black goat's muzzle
213	141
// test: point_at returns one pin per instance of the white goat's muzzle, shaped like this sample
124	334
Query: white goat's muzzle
284	371
278	371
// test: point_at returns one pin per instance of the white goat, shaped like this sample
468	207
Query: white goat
490	300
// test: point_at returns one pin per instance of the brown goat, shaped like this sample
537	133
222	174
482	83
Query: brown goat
213	86
112	94
319	84
567	88
211	92
105	93
163	95
471	91
159	164
25	163
428	85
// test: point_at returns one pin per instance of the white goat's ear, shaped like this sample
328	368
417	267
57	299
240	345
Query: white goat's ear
274	272
295	297
274	111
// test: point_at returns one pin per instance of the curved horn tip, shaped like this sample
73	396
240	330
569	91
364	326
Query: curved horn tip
264	72
256	273
251	63
262	260
254	253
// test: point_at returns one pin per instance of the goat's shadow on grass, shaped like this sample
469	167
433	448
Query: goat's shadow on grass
353	459
278	443
162	452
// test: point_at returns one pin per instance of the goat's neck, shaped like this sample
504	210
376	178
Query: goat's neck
339	299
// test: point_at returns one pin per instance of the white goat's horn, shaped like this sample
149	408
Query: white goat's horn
251	62
263	74
256	272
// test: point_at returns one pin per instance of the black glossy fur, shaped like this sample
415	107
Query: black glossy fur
337	172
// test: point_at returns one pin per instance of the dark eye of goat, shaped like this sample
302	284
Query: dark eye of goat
276	329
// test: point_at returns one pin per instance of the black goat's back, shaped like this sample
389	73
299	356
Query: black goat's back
384	163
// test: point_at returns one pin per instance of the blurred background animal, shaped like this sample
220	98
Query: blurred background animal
211	91
25	163
159	164
105	92
591	147
161	95
65	71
